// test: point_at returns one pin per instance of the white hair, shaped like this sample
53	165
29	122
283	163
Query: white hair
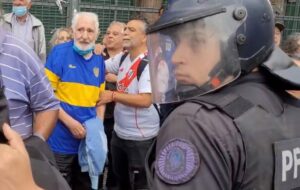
122	24
90	15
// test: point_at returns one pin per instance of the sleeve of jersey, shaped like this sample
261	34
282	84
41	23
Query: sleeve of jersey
198	149
102	79
144	81
112	65
53	69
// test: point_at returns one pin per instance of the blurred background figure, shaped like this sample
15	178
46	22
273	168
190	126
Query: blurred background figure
26	27
60	35
279	26
1	14
291	46
113	42
278	30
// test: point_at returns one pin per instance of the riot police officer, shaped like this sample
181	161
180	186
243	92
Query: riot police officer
236	127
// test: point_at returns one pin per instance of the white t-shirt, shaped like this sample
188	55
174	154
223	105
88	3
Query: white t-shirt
132	123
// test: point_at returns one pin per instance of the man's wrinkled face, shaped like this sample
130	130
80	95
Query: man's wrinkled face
85	33
197	53
114	36
134	35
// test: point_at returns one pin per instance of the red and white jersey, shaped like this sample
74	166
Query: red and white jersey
132	123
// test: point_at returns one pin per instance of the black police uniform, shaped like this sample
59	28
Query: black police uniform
244	136
237	127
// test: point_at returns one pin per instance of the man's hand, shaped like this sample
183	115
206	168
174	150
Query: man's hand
109	77
105	97
99	48
15	169
77	130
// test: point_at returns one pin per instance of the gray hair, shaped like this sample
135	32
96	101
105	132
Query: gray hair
142	19
292	44
56	33
90	15
122	24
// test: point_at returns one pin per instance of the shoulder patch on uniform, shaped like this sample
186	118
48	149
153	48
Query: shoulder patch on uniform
177	162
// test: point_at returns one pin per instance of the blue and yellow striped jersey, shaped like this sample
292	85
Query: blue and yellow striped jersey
77	83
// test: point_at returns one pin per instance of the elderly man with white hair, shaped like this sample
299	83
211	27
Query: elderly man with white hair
26	27
77	76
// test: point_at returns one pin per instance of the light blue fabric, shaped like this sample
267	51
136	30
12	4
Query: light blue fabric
19	10
81	51
93	150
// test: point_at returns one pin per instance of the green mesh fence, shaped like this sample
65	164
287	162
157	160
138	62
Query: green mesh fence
292	18
47	12
107	10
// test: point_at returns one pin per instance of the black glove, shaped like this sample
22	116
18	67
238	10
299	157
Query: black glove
42	146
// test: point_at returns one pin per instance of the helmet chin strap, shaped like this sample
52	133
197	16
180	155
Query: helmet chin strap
223	70
217	78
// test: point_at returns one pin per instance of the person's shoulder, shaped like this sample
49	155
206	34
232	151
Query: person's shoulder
7	17
19	54
35	20
204	117
63	48
98	57
17	46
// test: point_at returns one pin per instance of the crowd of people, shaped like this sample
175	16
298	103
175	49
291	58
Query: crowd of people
189	102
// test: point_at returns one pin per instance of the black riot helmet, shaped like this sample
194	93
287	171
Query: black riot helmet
198	46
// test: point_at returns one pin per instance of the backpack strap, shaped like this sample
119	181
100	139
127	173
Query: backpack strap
123	58
141	67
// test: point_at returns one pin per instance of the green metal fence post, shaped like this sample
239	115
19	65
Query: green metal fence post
72	8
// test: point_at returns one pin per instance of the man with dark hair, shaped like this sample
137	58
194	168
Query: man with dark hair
113	51
291	46
136	119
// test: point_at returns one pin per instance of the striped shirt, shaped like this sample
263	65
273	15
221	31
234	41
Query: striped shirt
26	86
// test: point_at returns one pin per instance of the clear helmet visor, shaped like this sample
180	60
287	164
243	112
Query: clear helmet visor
193	58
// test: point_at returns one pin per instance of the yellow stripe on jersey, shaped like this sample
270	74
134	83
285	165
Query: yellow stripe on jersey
53	78
102	87
77	94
